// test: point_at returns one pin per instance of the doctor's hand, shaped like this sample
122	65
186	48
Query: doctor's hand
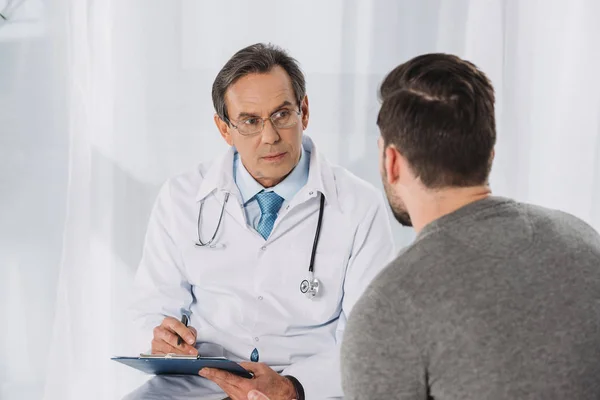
256	395
166	335
268	382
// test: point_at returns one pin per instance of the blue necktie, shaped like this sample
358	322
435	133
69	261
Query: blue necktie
269	203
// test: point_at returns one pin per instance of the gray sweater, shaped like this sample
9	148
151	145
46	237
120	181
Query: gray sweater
498	300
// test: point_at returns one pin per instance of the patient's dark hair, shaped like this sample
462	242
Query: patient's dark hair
438	111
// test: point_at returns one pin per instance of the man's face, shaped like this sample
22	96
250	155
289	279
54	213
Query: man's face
396	203
271	155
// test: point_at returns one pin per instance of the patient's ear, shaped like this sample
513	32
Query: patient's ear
393	164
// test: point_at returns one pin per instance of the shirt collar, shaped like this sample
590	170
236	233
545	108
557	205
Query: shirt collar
287	188
219	175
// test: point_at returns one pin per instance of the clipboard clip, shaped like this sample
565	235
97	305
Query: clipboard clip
170	355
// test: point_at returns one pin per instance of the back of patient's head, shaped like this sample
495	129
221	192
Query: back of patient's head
438	111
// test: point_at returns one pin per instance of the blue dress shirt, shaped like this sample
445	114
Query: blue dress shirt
249	187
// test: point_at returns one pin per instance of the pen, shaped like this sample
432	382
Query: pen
185	321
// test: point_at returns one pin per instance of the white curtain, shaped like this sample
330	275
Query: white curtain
102	100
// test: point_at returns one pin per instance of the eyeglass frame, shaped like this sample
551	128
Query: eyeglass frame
262	120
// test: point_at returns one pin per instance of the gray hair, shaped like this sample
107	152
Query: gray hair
257	58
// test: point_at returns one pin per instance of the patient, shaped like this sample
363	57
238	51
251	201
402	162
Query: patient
495	299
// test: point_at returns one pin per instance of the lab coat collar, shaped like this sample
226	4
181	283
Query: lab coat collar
320	175
219	176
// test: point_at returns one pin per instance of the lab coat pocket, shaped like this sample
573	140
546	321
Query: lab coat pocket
217	269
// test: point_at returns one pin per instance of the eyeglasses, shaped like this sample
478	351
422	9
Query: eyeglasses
281	119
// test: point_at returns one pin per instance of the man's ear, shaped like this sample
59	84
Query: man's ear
305	112
224	129
392	164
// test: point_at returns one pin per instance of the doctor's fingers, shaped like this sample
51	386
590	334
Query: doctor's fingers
187	334
167	340
256	395
162	347
194	332
232	387
256	368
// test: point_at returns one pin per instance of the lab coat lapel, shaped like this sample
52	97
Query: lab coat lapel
218	180
321	179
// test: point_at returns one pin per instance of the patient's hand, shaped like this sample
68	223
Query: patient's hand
166	335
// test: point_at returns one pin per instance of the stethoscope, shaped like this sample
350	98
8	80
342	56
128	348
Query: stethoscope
309	287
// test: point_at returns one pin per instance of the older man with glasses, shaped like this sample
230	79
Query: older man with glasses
267	248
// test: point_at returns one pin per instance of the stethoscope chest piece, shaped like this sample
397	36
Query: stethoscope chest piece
310	288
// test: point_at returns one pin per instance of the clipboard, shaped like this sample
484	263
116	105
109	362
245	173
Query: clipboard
178	364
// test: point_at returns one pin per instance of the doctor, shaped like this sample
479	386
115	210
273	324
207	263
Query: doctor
267	248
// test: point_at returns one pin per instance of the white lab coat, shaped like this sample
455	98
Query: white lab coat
245	294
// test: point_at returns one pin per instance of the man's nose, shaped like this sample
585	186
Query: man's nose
269	133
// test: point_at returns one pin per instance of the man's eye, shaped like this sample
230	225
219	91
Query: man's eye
281	114
251	121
